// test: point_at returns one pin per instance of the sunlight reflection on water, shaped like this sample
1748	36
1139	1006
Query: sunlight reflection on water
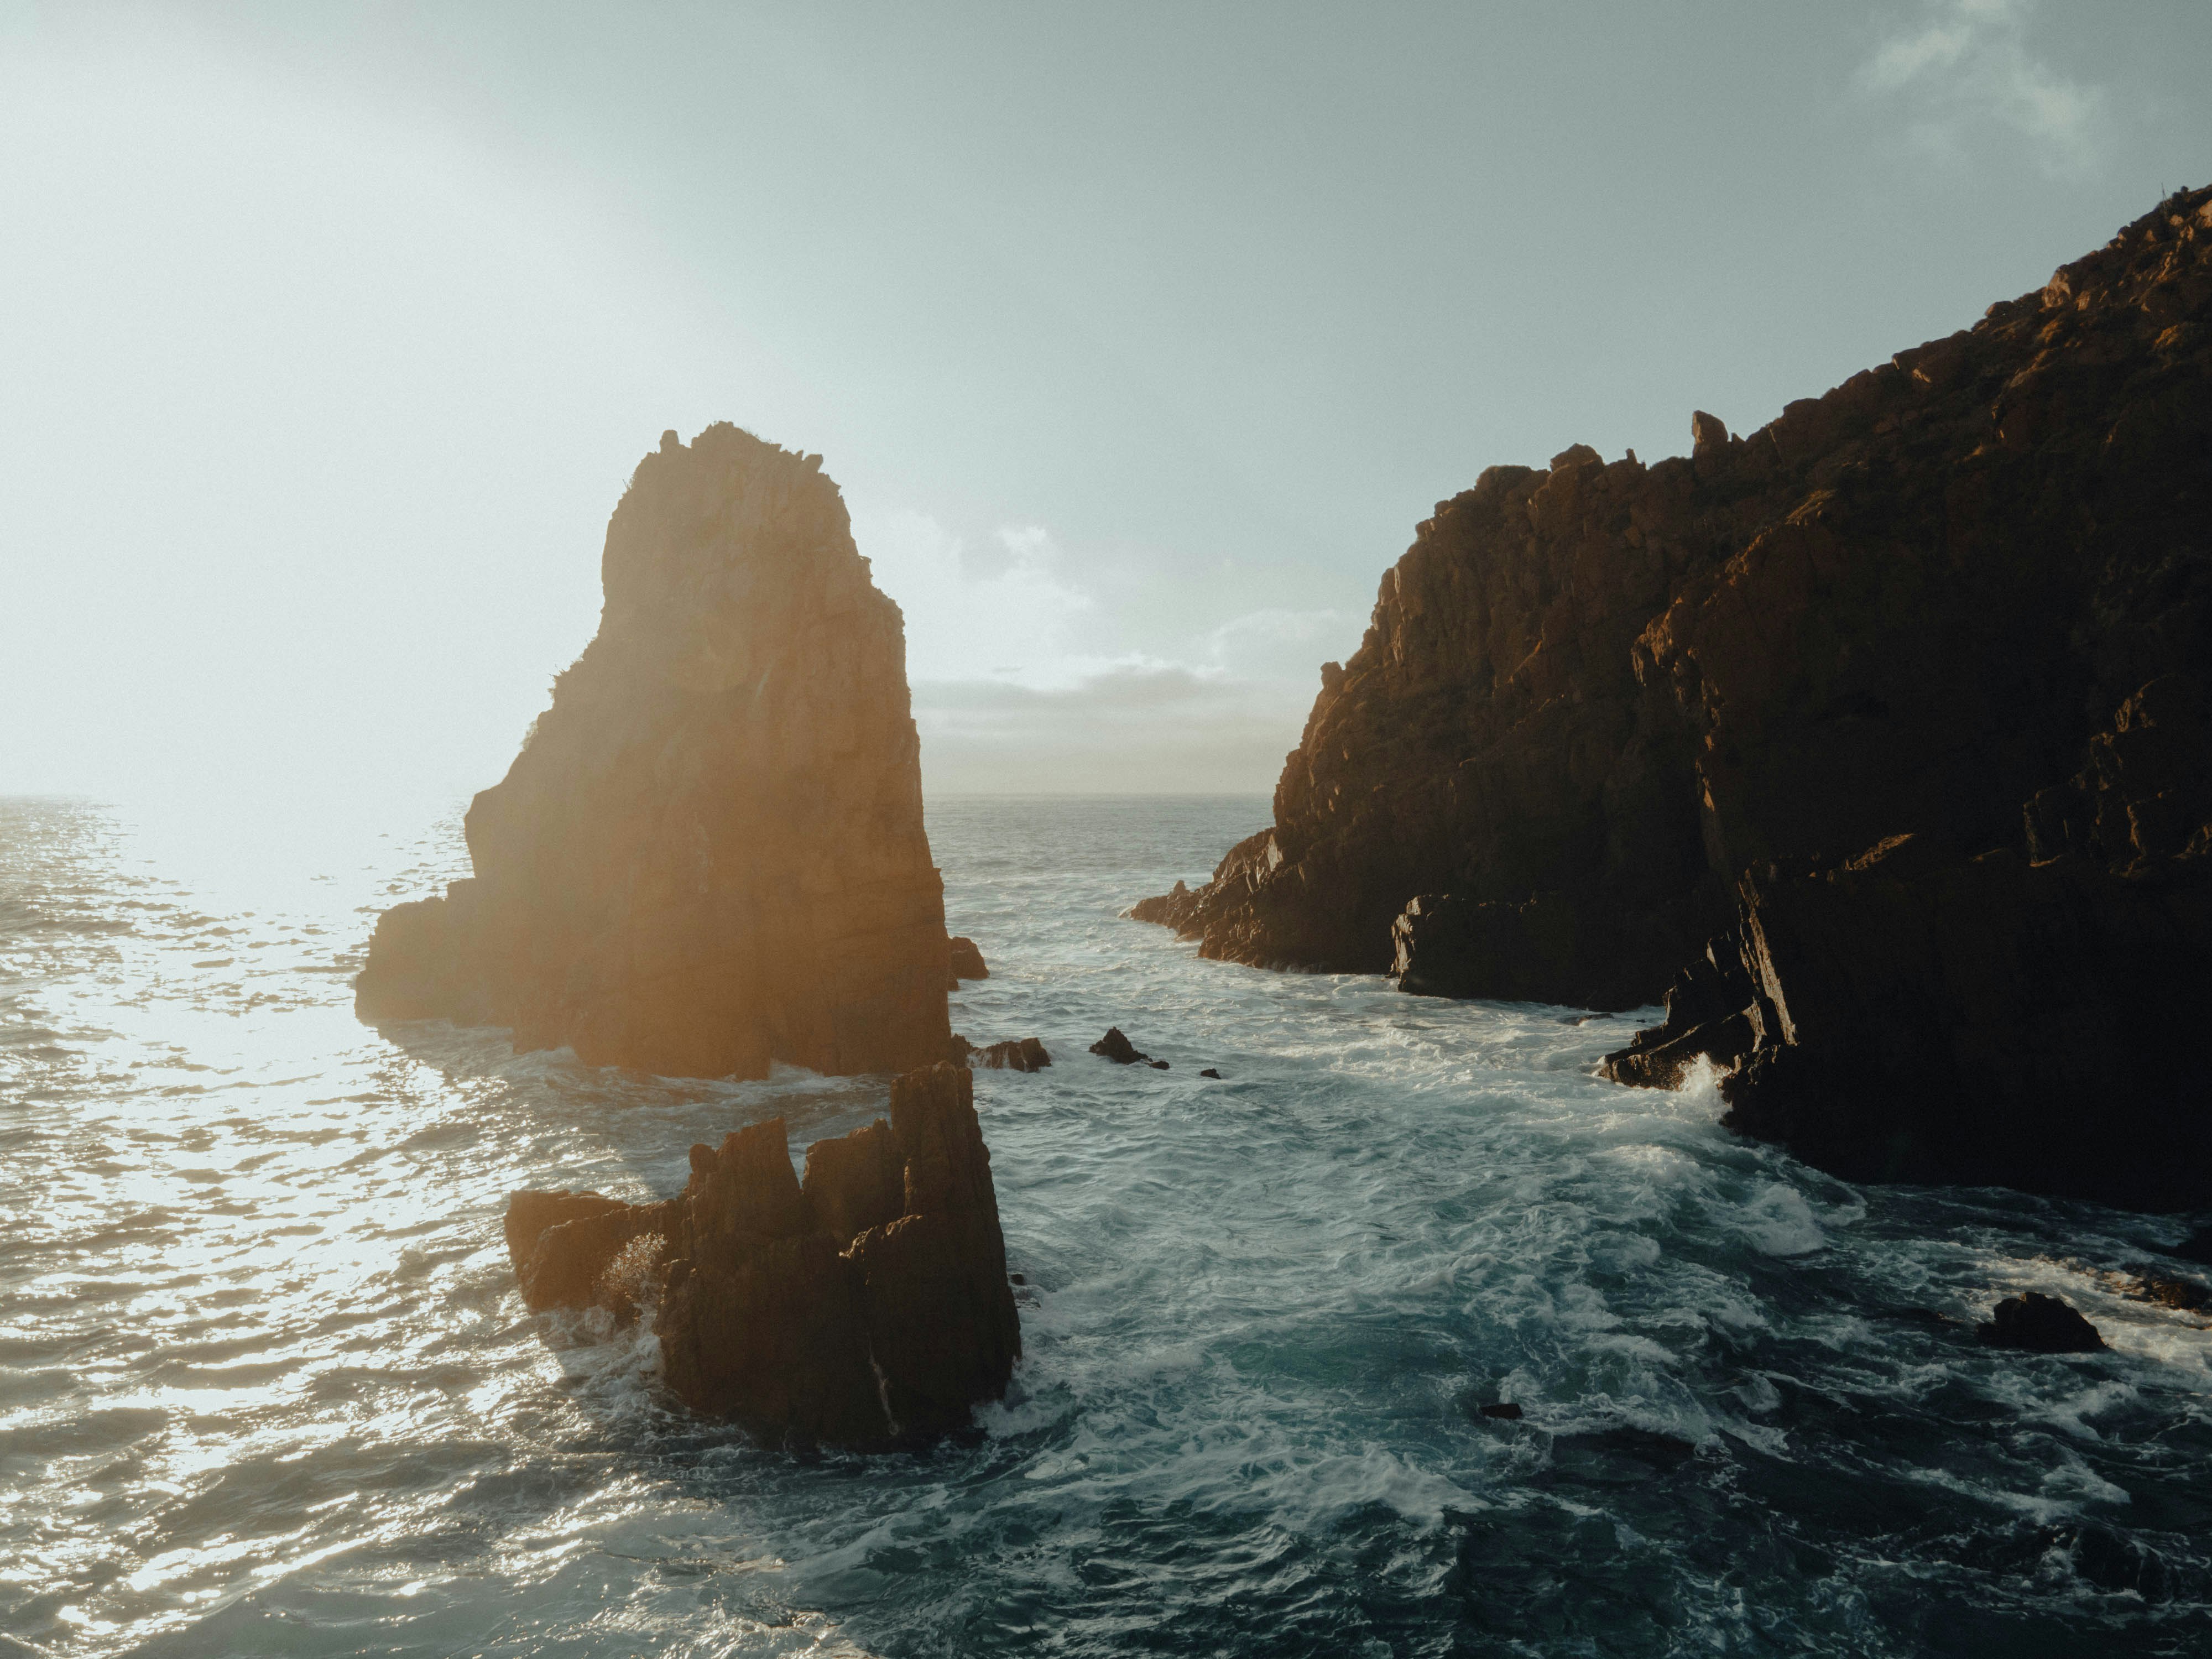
265	1386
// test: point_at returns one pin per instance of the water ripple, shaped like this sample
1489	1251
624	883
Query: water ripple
265	1386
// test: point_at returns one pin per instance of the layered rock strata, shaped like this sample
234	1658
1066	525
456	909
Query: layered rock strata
1881	734
867	1303
709	854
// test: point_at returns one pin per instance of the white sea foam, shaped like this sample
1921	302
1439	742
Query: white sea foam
264	1383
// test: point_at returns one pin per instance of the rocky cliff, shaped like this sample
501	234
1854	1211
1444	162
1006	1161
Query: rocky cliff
1885	728
868	1303
709	853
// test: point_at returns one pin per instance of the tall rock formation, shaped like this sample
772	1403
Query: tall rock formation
1885	726
868	1303
709	854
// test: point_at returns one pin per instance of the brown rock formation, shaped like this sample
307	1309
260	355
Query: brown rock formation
1118	1048
1900	701
868	1303
1013	1054
1490	741
709	853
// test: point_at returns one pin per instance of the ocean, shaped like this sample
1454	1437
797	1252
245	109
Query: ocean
266	1386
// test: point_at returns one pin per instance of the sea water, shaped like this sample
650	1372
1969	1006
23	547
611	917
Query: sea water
266	1386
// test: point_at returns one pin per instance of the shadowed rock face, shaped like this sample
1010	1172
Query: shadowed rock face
709	853
1490	741
866	1304
1884	728
2039	1324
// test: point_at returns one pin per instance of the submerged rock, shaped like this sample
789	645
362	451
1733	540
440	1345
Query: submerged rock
1891	720
709	854
869	1303
2040	1324
2145	1283
2197	1247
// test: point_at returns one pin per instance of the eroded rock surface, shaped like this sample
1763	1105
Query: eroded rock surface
1880	734
709	854
867	1303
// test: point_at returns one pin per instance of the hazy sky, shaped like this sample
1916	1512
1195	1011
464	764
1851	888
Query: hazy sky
1139	337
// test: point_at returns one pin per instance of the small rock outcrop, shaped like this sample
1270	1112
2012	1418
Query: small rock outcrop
2038	1324
966	960
867	1303
1028	1054
1879	740
1122	1052
709	854
1022	1055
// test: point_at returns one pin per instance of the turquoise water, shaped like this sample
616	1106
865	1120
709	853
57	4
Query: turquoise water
266	1387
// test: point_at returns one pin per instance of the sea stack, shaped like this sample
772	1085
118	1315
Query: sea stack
709	854
866	1304
1882	734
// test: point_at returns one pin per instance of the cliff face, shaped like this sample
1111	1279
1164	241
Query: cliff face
709	853
1490	740
1902	698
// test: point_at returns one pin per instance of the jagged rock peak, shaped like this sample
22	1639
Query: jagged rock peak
867	1303
710	853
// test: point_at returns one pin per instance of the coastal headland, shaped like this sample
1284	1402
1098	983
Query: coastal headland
1881	735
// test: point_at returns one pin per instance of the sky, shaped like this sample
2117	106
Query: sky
1139	337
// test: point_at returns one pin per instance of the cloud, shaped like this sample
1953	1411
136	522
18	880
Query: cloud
1025	679
1006	612
1155	728
1274	642
1967	67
